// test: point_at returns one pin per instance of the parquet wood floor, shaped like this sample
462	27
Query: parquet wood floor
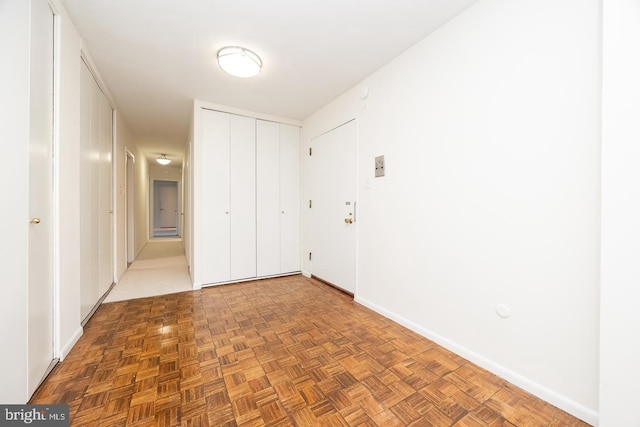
277	352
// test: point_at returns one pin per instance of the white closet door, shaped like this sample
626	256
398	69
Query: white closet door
40	284
105	215
268	198
216	235
289	198
89	236
242	192
96	222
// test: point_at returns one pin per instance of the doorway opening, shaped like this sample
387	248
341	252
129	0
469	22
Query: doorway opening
165	209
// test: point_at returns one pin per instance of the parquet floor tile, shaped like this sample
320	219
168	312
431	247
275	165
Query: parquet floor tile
278	352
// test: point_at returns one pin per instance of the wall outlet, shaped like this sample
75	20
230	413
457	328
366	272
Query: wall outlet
379	166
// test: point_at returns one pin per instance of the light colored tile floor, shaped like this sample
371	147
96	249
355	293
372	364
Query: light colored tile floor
159	269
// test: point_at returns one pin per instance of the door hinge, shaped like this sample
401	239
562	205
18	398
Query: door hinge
309	204
309	256
309	150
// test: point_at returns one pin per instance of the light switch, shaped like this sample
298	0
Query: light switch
379	166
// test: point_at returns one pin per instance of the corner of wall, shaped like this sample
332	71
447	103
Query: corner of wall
527	384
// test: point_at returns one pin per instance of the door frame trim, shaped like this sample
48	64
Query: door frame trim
152	189
129	206
55	193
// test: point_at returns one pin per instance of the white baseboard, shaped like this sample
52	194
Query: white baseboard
572	407
306	274
64	350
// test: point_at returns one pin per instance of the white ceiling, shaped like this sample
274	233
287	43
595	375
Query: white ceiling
156	56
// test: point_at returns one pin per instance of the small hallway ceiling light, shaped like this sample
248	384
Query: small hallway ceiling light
239	62
163	160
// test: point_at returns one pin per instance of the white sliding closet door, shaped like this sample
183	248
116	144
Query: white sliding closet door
268	191
216	234
228	197
250	198
105	194
278	195
96	171
242	190
289	198
89	189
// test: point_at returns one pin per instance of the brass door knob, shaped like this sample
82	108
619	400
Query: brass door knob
35	221
348	221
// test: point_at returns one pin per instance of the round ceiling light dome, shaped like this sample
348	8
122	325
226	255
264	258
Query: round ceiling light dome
239	62
163	160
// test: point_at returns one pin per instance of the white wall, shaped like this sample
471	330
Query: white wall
490	131
14	110
141	200
169	173
69	178
620	280
124	141
187	232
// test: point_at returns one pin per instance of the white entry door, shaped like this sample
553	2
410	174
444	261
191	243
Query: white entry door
334	209
40	321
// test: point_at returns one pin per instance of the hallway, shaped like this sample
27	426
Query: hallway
159	269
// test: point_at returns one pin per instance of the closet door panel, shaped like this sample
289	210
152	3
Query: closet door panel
216	232
242	196
89	289
289	198
268	198
105	206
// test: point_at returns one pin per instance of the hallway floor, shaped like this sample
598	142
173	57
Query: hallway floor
276	352
159	269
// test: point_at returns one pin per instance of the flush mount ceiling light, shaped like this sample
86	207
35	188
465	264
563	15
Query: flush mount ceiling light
163	160
239	62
